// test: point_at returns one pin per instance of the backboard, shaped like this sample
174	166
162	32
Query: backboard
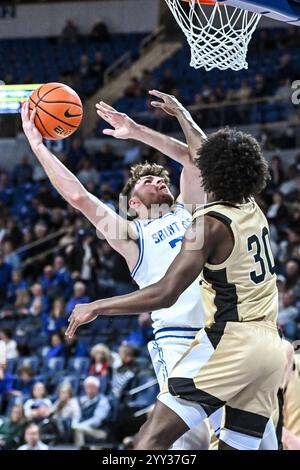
287	11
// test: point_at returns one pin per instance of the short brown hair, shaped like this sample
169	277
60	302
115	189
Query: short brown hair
26	369
144	169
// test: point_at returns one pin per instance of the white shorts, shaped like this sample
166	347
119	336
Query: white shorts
167	349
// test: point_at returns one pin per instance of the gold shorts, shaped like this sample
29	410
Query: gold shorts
236	364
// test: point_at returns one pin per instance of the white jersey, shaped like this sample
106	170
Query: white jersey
160	242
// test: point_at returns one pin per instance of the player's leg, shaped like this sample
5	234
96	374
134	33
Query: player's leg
165	353
242	430
160	431
269	440
248	413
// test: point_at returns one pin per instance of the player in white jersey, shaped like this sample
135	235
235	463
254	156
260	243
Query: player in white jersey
151	242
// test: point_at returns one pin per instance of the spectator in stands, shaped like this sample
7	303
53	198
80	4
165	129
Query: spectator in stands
87	173
70	32
11	347
140	336
39	406
263	42
48	282
61	271
75	347
95	409
147	82
62	277
57	320
84	68
108	195
24	382
66	406
22	302
290	247
292	273
79	297
125	373
10	256
101	361
75	154
278	212
132	153
11	430
243	94
168	82
121	275
11	230
98	67
22	172
65	411
294	193
286	69
276	172
290	37
39	174
17	282
260	87
100	32
57	348
288	315
133	89
32	439
6	386
5	277
38	294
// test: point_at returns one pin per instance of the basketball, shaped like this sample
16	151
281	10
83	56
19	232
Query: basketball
59	110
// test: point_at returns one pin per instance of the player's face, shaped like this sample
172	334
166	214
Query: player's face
153	190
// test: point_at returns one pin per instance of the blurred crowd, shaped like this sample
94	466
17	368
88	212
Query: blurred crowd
273	67
51	259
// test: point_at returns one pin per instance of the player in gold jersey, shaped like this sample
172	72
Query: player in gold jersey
237	360
291	407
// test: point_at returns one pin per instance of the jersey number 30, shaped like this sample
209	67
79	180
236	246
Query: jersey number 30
263	258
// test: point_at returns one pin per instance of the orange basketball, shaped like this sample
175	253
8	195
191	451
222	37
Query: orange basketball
59	110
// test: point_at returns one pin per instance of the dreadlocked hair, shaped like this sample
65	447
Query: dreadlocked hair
232	165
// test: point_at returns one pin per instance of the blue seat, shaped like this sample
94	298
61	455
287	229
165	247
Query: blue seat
79	365
145	397
11	365
73	380
54	364
32	361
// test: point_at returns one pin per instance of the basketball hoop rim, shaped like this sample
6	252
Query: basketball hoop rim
204	2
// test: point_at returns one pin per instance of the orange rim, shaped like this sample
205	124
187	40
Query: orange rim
203	2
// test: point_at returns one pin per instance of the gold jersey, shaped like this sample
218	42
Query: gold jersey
291	409
243	288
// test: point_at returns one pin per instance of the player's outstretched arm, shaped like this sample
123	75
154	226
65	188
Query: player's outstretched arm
118	232
191	190
126	128
199	243
193	133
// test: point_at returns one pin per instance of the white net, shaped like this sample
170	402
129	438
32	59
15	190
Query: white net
218	35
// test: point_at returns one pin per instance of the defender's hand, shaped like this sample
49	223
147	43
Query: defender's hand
124	126
82	313
32	133
169	103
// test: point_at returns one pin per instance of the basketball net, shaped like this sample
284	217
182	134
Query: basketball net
218	35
